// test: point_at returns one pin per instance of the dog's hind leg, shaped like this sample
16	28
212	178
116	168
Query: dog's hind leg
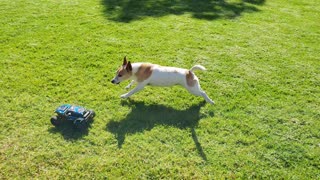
205	96
196	90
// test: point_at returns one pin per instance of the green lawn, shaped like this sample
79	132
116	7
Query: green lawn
263	72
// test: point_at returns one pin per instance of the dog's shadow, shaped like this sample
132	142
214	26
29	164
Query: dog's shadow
145	117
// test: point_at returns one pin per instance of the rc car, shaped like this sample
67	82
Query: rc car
80	116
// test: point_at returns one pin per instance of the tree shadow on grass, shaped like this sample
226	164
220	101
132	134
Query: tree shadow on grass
129	10
69	131
145	117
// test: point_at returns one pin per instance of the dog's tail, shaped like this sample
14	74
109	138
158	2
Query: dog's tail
197	67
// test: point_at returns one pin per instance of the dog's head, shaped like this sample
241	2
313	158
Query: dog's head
123	73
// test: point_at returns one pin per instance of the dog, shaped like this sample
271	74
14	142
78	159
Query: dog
156	75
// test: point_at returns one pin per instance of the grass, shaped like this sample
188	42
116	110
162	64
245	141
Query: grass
263	73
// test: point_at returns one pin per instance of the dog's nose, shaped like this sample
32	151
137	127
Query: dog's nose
112	81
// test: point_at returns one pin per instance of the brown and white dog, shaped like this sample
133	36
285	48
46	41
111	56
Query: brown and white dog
156	75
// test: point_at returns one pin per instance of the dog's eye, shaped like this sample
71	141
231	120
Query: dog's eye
119	75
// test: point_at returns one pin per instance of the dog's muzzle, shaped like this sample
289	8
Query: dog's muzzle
114	82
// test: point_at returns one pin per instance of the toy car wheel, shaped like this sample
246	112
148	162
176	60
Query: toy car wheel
55	121
93	114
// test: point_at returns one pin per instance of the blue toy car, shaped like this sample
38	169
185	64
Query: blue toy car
77	114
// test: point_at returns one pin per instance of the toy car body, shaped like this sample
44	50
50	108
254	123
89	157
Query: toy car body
77	114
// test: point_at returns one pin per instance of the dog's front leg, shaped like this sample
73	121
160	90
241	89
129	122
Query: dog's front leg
129	85
136	89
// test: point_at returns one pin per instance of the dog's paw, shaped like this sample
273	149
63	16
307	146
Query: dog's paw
211	102
128	87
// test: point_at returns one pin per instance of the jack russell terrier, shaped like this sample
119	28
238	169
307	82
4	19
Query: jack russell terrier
156	75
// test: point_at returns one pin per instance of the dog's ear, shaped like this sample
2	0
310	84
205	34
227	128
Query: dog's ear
124	61
129	67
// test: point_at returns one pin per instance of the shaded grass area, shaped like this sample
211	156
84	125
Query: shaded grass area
128	10
262	71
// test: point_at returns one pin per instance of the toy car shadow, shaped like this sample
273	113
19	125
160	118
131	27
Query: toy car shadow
69	131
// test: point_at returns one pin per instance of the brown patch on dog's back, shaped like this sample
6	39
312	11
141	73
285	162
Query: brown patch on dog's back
144	72
190	79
